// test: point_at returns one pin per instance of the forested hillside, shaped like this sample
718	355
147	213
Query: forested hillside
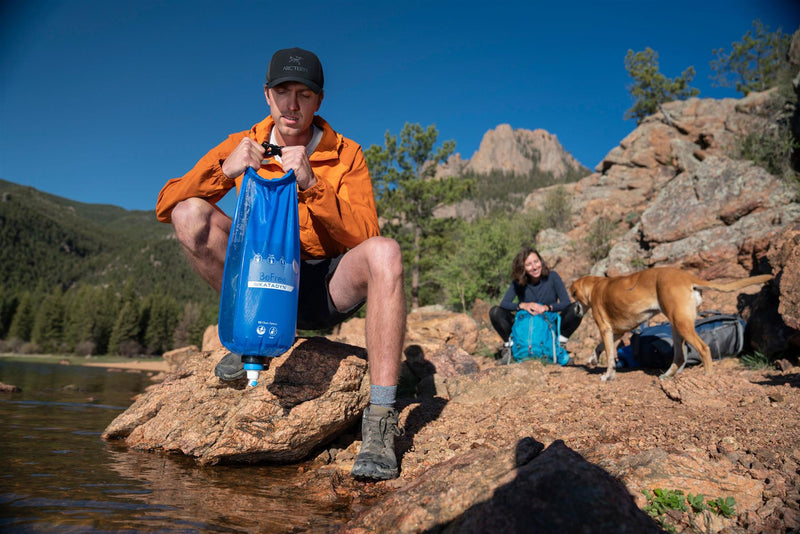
67	269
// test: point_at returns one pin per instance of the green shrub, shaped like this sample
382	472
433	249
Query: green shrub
756	361
772	149
599	238
557	208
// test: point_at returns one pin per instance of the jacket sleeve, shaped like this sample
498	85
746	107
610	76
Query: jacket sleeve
345	208
206	180
508	299
561	292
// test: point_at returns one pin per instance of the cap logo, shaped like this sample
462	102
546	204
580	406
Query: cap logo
294	65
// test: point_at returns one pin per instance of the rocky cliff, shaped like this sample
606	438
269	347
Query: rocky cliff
515	151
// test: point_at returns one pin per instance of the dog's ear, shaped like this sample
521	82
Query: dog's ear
576	289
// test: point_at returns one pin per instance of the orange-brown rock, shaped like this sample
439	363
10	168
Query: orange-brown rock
305	399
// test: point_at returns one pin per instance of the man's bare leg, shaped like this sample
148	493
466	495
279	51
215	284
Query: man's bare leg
203	232
374	270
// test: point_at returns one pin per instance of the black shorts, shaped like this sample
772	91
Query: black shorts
315	309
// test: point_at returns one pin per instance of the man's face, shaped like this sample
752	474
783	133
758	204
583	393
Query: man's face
292	106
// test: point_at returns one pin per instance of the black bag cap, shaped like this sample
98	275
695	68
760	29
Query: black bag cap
295	65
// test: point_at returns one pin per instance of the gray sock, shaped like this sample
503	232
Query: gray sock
382	395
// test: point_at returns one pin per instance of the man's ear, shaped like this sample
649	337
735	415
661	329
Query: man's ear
321	96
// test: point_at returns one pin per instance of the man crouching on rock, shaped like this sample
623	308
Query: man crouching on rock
345	262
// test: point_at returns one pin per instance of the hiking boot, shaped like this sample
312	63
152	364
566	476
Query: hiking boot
376	459
505	356
230	367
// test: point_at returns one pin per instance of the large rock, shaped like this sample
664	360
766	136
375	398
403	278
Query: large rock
304	400
522	489
672	194
719	192
785	255
774	323
436	325
520	152
690	471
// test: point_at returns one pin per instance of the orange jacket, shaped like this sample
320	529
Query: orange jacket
336	214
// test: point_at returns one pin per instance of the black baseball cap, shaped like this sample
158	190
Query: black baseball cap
295	65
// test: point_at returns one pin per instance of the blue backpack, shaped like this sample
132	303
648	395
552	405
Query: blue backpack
536	336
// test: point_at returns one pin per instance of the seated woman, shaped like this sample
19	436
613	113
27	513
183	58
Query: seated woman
537	289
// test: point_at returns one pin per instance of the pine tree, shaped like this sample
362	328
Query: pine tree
125	334
754	64
651	89
185	329
48	325
104	310
8	307
162	320
22	323
407	192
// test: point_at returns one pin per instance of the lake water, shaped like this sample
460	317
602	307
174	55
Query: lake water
58	475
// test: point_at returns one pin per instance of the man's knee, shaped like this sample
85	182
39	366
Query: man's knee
385	254
191	219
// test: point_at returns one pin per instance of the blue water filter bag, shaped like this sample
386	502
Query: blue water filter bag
261	279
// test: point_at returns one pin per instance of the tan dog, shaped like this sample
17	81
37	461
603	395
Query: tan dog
620	303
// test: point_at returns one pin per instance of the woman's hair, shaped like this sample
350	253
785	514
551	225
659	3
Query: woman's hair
518	274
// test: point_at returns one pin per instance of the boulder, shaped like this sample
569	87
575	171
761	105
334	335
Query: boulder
437	325
176	357
444	360
718	193
304	400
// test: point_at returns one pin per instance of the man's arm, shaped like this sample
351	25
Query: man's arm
206	180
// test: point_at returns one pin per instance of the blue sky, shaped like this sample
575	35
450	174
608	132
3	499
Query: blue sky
104	101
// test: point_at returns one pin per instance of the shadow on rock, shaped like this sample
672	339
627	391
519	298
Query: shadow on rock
522	489
427	411
789	379
304	376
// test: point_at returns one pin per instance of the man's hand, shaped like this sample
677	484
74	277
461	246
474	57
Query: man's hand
295	157
247	153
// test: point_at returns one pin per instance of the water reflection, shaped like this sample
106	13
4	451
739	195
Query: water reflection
59	475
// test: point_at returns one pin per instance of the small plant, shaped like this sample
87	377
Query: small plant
725	507
661	501
756	361
697	502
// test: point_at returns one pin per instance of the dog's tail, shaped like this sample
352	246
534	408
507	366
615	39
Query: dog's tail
732	286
